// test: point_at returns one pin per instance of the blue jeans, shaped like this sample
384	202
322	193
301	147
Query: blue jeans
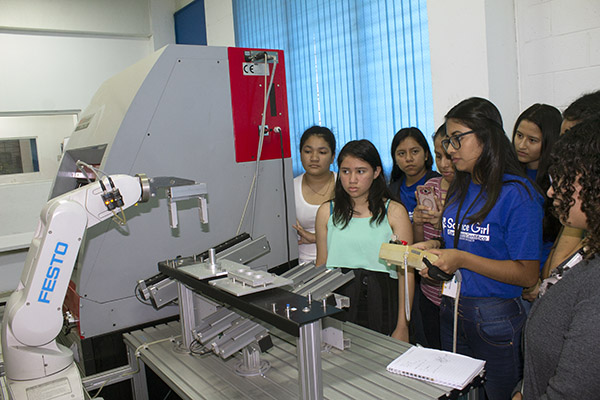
489	329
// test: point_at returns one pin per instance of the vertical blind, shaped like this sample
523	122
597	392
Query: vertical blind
361	68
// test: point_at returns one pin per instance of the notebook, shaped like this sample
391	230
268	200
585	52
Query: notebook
437	366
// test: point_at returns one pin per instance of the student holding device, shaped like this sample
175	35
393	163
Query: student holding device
426	226
492	230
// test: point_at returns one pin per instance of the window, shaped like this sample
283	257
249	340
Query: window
361	68
18	156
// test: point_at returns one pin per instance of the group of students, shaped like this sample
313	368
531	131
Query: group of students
519	221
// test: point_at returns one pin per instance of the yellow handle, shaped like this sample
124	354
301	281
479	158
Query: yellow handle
394	254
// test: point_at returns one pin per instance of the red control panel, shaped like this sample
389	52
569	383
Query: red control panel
247	72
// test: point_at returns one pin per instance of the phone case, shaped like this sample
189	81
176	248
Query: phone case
426	196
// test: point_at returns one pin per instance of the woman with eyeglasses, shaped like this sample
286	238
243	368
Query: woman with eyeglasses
492	230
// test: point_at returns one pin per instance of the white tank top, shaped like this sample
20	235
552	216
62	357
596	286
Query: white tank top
305	214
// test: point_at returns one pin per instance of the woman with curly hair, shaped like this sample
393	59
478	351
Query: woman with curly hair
561	347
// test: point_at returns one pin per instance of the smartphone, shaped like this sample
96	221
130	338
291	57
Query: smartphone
426	197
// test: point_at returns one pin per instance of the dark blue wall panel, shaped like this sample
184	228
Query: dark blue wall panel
190	24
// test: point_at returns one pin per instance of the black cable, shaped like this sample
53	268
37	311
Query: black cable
287	224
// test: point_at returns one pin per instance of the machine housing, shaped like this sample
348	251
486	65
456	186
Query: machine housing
192	112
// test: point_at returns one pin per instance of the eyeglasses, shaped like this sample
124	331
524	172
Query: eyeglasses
454	140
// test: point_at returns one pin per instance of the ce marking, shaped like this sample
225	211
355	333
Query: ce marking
249	68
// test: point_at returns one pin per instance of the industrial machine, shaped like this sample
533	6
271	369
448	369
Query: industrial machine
212	115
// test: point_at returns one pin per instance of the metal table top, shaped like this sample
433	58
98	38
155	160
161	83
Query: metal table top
259	305
355	373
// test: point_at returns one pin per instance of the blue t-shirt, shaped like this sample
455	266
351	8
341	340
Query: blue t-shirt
407	195
532	174
511	231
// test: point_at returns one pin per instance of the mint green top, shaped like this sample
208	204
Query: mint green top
358	244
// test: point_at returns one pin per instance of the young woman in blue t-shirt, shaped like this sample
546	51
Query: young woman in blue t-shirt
350	230
412	166
492	229
534	134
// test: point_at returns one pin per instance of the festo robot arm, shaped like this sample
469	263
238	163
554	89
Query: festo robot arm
33	315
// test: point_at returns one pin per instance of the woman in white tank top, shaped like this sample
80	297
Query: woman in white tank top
313	187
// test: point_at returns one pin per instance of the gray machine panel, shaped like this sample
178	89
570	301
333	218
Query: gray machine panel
169	115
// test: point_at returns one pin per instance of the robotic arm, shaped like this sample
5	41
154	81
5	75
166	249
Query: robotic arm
33	315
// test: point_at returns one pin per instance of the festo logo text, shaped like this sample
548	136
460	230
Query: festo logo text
53	272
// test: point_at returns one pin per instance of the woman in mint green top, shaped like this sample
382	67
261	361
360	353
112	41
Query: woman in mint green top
361	254
350	231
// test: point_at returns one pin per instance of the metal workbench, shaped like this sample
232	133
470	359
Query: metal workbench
296	365
355	373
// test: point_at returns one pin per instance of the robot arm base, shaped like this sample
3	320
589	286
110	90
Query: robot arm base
25	363
66	385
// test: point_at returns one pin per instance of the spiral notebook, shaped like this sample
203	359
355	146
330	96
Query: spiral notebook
437	366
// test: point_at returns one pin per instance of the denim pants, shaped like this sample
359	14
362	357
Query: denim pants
489	329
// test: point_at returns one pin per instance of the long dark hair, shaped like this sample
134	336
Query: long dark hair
548	119
577	156
498	156
415	133
378	193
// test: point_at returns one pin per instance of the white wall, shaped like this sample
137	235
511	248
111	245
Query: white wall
473	53
502	60
458	49
515	53
219	23
559	50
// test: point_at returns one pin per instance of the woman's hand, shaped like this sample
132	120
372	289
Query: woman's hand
420	214
427	245
531	293
449	261
425	215
518	396
306	237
